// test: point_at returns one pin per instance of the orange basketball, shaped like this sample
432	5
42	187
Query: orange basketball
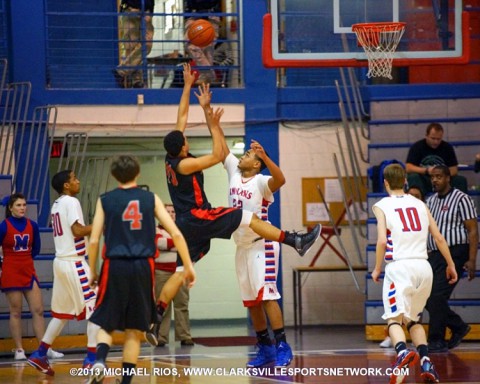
201	33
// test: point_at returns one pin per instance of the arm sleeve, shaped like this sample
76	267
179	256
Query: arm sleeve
3	231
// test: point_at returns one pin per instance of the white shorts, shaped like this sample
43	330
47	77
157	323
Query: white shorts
406	288
72	297
257	269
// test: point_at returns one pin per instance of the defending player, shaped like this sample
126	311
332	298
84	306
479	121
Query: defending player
256	259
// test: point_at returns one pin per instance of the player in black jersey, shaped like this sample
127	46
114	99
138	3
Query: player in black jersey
126	301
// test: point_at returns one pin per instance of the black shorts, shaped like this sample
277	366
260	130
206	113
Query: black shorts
125	298
199	226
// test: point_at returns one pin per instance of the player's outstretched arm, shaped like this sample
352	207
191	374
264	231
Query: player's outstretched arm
190	165
183	106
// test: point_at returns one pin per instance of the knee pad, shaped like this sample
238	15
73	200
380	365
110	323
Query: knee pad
411	324
394	323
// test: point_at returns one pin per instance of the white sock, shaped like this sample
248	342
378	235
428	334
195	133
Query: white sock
92	330
54	328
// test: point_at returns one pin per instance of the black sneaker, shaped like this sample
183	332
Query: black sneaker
151	334
437	346
457	337
304	241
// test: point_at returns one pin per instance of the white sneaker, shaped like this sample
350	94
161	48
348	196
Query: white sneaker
51	354
19	354
387	343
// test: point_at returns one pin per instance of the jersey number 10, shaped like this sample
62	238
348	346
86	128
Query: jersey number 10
409	218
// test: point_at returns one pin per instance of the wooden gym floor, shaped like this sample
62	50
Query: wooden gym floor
325	354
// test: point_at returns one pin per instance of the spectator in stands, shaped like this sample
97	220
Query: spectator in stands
428	152
222	57
20	241
136	35
476	165
416	192
165	266
202	56
456	217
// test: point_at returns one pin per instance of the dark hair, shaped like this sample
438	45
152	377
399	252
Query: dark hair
59	179
443	168
173	142
422	196
11	200
262	163
434	126
125	168
395	175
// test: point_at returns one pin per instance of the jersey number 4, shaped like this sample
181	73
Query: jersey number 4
409	218
133	215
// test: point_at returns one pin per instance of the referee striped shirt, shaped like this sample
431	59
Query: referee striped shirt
450	211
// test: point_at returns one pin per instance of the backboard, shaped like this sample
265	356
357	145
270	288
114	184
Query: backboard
305	33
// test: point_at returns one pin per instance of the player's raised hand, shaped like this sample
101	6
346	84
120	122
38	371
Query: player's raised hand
189	77
204	95
256	147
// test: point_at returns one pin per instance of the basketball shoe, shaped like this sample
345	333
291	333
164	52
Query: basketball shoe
40	363
266	354
97	373
51	354
152	334
87	363
428	372
284	354
19	354
303	242
404	360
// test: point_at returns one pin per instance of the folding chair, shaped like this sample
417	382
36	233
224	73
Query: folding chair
328	231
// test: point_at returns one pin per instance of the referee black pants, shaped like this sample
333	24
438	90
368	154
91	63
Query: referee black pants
441	316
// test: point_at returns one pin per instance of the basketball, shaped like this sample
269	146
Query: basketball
201	33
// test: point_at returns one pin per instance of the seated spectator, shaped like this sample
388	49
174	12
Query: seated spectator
202	56
416	192
477	163
222	57
428	152
132	40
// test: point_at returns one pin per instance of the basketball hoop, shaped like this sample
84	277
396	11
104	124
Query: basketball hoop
379	40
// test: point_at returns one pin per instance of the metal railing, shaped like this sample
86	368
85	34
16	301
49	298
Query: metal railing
84	46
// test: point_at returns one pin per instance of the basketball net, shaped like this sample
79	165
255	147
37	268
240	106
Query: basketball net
379	41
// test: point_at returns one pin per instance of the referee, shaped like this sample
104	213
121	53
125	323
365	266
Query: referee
456	218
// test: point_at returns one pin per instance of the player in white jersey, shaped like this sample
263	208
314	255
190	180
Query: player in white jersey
72	297
256	259
403	224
